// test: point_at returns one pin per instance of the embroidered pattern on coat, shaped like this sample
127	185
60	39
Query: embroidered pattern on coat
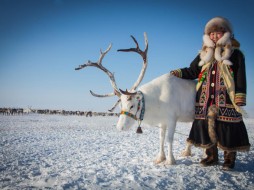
220	90
227	111
201	106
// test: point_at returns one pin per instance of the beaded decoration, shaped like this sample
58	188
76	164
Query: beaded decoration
202	76
231	71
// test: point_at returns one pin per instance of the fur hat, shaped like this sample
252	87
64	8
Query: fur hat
218	24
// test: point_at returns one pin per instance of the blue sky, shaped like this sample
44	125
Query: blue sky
42	41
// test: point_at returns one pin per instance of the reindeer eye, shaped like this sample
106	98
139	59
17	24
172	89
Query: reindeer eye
131	107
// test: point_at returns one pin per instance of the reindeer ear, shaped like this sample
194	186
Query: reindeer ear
128	93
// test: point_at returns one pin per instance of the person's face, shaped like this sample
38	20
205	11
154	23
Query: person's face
215	36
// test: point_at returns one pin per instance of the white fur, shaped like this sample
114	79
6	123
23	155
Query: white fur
207	41
227	62
206	56
168	99
220	54
225	39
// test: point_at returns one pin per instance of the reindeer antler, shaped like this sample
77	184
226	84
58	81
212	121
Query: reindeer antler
143	55
98	64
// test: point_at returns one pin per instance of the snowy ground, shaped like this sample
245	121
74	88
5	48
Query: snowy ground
74	152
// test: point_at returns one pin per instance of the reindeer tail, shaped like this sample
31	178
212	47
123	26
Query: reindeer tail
211	116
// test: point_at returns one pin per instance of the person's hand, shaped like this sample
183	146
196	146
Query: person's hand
175	73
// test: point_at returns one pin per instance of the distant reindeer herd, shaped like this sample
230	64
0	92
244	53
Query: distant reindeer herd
21	111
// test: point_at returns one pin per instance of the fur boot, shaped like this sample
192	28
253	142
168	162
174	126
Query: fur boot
212	156
229	160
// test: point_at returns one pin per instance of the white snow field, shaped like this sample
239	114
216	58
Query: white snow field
77	152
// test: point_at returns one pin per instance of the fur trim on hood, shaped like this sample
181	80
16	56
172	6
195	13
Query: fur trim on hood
222	50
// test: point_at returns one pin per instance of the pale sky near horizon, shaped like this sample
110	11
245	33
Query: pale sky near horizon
43	41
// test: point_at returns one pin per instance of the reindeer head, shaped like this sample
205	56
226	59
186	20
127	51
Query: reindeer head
132	108
129	101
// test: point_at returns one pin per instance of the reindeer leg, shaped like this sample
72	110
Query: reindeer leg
171	130
161	156
187	151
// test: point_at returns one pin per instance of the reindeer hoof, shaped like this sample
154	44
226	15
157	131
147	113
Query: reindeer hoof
159	160
170	162
185	153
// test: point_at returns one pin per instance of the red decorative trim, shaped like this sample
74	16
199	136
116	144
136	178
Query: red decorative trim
229	119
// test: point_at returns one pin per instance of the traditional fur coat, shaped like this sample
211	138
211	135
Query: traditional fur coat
214	92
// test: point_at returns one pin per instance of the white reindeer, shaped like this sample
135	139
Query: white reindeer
27	110
161	102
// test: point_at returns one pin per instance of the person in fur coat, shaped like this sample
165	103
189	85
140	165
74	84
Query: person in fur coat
221	91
